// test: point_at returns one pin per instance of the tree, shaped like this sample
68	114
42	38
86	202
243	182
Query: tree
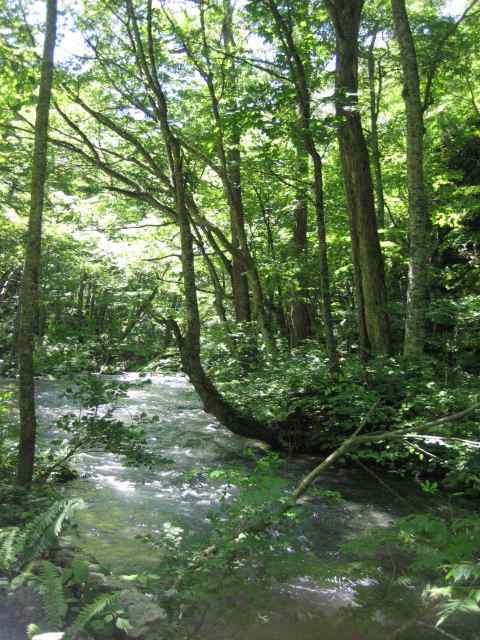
368	267
417	197
299	314
164	182
31	271
375	86
418	204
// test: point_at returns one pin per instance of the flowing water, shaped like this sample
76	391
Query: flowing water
313	595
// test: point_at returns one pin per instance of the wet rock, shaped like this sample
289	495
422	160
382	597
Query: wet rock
64	556
142	614
65	474
105	583
98	581
27	602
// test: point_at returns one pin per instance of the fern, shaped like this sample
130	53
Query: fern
20	546
8	546
49	584
88	613
468	604
66	511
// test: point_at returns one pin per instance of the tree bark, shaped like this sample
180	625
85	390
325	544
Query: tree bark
418	212
219	292
33	251
366	251
301	327
374	138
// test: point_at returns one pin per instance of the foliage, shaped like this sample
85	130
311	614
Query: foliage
8	444
246	542
51	588
95	425
298	384
103	605
112	283
92	315
21	545
28	557
442	549
68	601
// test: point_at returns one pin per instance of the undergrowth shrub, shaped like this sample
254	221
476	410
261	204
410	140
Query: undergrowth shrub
22	544
298	384
243	545
442	551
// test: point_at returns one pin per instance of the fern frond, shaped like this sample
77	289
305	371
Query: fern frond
8	539
88	613
40	533
49	584
66	512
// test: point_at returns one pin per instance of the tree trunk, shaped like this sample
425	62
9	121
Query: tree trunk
375	143
250	269
30	281
301	328
80	300
417	198
239	238
330	341
219	292
189	342
363	341
366	251
229	147
228	150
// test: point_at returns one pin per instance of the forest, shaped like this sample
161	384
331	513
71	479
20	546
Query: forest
239	319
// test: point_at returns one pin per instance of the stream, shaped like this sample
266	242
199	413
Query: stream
125	503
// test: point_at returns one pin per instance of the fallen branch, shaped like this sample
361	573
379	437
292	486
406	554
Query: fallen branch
355	440
329	460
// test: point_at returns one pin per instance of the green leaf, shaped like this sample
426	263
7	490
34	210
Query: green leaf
123	624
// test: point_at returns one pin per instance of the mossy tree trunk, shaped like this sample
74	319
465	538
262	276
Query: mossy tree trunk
33	252
416	307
